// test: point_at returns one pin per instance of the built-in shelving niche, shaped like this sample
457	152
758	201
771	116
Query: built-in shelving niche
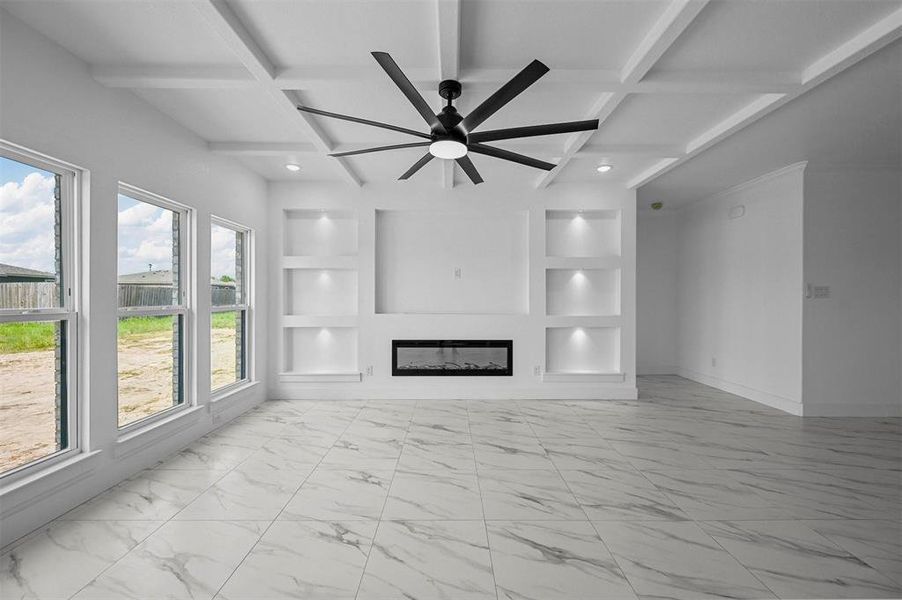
582	233
320	353
324	233
319	296
574	353
582	296
324	291
582	292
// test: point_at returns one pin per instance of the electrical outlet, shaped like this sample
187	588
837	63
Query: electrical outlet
369	370
713	362
537	370
821	291
456	272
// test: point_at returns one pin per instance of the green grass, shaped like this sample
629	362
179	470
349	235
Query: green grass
26	337
34	336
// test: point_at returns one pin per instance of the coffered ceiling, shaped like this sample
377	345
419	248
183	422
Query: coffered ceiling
667	78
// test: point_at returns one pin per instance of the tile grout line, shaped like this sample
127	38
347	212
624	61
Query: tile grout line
276	518
588	520
485	525
366	562
163	522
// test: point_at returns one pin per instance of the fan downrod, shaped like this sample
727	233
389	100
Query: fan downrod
449	89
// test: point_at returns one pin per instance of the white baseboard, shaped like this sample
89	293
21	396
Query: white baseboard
448	392
852	409
793	407
657	370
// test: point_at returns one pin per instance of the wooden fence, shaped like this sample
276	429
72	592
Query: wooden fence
41	294
44	295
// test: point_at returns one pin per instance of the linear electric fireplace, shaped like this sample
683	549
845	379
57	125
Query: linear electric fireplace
452	357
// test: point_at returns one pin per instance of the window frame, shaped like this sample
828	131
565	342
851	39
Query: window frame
68	314
183	310
245	306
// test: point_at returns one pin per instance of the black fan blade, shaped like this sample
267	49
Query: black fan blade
511	156
532	131
505	94
324	113
400	79
470	169
416	166
381	148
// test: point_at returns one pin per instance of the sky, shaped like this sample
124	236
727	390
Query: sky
26	216
145	230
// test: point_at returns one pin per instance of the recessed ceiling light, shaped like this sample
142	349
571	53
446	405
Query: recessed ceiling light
604	168
447	149
293	167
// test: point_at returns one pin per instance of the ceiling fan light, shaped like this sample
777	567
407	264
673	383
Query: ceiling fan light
447	149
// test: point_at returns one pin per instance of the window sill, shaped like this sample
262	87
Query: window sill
225	393
44	483
136	440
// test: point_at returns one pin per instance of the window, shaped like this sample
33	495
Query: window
229	304
153	305
38	318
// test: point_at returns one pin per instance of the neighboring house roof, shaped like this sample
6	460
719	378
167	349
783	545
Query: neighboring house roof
12	271
161	277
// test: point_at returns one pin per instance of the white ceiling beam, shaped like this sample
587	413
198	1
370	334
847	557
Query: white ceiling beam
477	81
448	26
872	39
548	150
673	22
209	77
261	149
224	22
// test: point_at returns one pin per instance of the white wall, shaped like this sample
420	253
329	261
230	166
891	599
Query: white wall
739	291
523	322
851	339
656	292
52	105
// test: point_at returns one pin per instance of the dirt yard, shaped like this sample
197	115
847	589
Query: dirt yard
27	396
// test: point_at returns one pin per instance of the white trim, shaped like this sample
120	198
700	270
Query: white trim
71	178
226	392
75	468
353	377
163	424
739	187
852	409
656	370
248	284
432	390
563	377
793	407
184	311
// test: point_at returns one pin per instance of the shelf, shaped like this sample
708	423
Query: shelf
560	321
294	377
587	377
319	321
582	262
347	263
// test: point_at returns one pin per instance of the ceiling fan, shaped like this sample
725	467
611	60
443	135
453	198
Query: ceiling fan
451	135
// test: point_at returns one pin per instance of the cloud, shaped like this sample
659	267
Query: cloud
140	214
27	213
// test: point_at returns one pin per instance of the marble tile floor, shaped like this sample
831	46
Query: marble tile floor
688	492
